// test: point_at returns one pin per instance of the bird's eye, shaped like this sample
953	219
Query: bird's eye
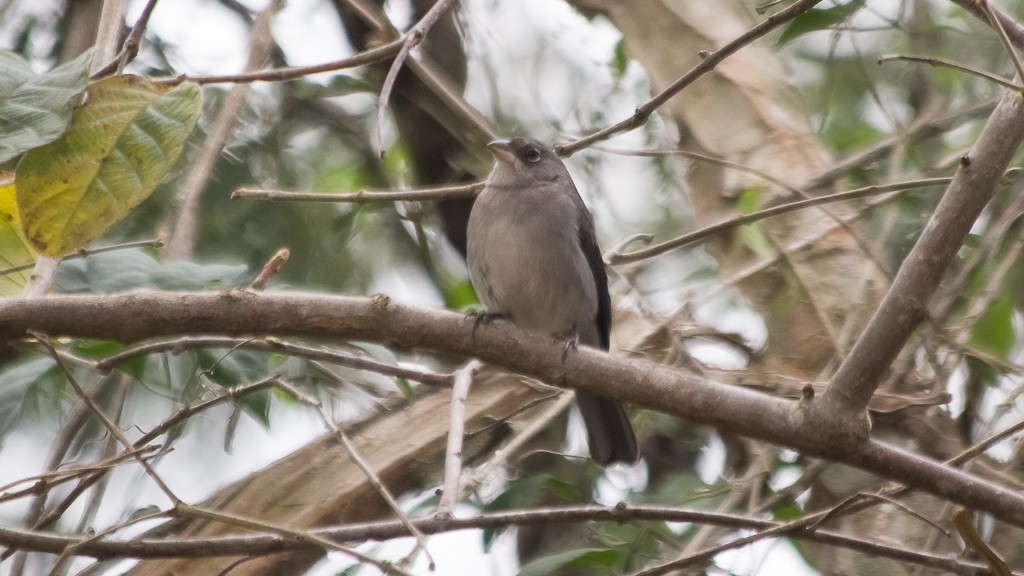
532	155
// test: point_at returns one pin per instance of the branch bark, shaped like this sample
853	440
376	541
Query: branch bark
267	544
137	315
905	305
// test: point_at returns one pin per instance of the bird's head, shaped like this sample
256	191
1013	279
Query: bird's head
524	162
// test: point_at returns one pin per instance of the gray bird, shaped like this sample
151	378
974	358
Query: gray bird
534	259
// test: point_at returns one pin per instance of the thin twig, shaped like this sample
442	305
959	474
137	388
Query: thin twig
1004	39
500	456
412	38
130	47
435	79
364	196
72	550
453	450
621	513
962	519
185	228
48	480
85	252
370	56
717	160
923	127
708	63
983	446
362	464
111	427
270	269
154	433
708	231
277	347
184	509
307	537
939	63
851	505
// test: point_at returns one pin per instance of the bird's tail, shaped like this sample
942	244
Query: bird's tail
609	434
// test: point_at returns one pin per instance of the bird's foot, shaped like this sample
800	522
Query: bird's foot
572	342
480	318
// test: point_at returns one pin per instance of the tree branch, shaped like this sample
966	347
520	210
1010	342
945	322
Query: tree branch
708	63
905	305
266	544
137	315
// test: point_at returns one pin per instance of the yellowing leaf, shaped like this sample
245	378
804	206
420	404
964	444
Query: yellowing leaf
14	251
121	143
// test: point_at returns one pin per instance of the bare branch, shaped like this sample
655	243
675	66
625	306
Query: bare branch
130	48
413	38
708	63
270	269
85	252
136	315
357	458
278	347
371	56
453	451
364	196
905	305
266	544
709	231
183	238
940	63
962	519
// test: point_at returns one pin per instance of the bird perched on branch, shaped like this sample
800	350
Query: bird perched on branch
534	258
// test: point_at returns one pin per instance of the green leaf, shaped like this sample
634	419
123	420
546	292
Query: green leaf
459	295
144	512
750	199
14	251
258	406
352	570
230	368
821	19
121	143
96	349
568	491
753	237
574	560
132	269
787	512
35	108
180	275
339	85
619	58
994	330
20	390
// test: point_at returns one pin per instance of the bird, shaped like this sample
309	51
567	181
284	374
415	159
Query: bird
534	259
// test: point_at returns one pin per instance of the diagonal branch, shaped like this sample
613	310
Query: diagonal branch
708	63
905	305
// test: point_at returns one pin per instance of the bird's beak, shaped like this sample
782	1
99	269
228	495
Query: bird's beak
502	151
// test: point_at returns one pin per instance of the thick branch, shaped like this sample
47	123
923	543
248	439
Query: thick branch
137	315
906	303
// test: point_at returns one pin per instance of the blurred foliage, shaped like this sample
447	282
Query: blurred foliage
547	77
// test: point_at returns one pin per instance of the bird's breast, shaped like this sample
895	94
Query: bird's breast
528	264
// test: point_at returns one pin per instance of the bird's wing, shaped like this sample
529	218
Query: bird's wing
588	243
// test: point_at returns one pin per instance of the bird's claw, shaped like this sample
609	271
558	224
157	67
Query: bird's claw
484	318
572	342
